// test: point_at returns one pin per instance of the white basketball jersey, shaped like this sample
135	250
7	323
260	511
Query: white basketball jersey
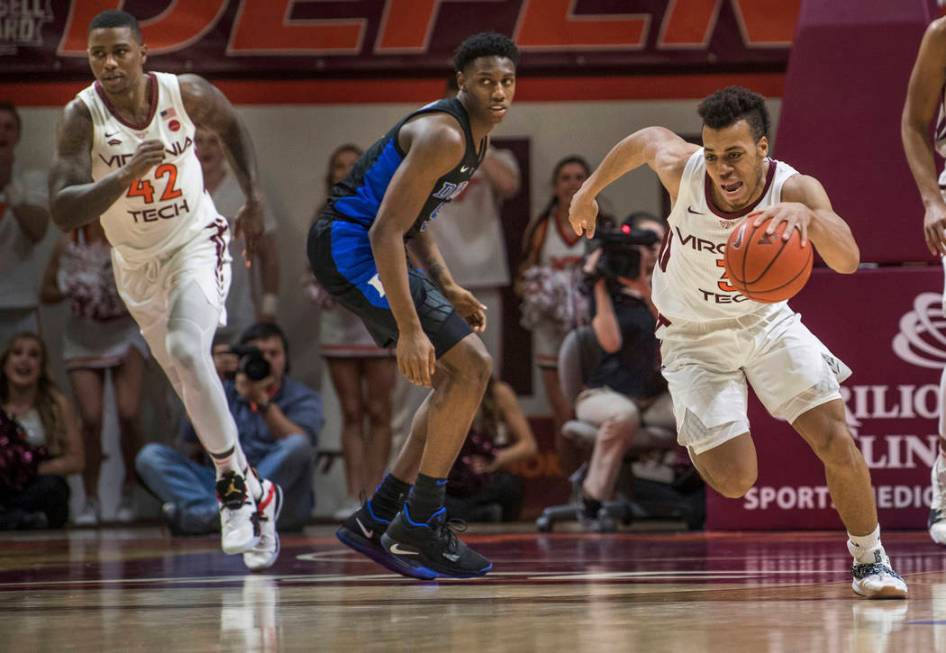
167	207
689	281
561	249
939	137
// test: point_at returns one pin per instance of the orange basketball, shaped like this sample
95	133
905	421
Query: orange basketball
764	267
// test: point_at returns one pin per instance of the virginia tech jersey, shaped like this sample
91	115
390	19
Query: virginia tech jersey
689	281
167	207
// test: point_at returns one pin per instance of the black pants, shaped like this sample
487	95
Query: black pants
501	497
44	494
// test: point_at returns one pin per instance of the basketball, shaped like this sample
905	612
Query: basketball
764	267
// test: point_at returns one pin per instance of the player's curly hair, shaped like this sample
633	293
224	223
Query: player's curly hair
729	105
116	18
484	44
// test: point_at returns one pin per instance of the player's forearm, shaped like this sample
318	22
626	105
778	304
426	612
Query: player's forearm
387	246
834	241
428	256
242	159
919	155
630	153
75	206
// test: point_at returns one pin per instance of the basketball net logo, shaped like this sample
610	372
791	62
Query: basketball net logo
921	341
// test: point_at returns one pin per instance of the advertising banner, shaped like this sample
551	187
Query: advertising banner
888	326
45	40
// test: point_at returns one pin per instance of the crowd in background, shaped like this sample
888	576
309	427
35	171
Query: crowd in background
47	434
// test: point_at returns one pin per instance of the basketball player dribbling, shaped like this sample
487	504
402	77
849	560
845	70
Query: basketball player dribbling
714	341
125	155
926	95
356	250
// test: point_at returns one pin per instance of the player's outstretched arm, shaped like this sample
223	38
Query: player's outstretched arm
661	149
436	147
74	199
924	95
210	109
805	206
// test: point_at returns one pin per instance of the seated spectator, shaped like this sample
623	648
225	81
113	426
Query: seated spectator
481	486
39	439
626	389
24	218
278	422
99	336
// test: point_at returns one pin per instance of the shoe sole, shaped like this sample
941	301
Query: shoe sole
425	566
390	562
885	593
275	557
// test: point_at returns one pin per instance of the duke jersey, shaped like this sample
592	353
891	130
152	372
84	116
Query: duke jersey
357	198
167	207
689	282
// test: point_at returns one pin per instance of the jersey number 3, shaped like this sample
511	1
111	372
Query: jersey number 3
143	188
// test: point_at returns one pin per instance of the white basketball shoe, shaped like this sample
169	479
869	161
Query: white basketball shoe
239	518
877	579
269	505
937	520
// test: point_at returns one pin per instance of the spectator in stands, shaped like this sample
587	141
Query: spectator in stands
469	234
246	303
626	388
24	216
362	373
40	442
278	421
99	336
481	484
549	278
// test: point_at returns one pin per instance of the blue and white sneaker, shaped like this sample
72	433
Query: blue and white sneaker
431	548
877	579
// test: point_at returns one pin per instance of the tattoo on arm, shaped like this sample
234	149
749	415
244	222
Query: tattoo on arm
210	109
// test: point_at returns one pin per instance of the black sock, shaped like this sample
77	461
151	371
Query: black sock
389	496
427	497
591	507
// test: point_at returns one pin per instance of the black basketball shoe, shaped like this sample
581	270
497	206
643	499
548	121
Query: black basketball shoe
362	532
431	548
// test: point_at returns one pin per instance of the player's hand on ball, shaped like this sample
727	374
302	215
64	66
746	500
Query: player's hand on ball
469	307
416	358
147	155
796	215
934	228
249	227
583	214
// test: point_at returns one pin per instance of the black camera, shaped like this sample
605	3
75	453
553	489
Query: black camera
620	256
252	362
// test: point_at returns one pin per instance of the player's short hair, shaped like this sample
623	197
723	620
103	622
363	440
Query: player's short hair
10	108
265	331
729	105
116	18
484	44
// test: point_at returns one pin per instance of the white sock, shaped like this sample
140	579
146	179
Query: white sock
226	461
252	482
864	547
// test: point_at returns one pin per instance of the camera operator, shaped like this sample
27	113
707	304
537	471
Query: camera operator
626	388
278	421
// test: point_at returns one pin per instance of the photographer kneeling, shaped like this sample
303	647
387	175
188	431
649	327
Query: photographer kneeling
278	422
626	389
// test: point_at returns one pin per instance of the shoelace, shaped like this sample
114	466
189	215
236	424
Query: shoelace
861	571
448	529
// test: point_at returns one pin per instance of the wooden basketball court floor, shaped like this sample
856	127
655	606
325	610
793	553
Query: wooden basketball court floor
140	590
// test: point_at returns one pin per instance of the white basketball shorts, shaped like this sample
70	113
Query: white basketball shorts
709	365
149	289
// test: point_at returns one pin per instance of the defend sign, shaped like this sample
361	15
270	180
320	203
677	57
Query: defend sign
888	326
